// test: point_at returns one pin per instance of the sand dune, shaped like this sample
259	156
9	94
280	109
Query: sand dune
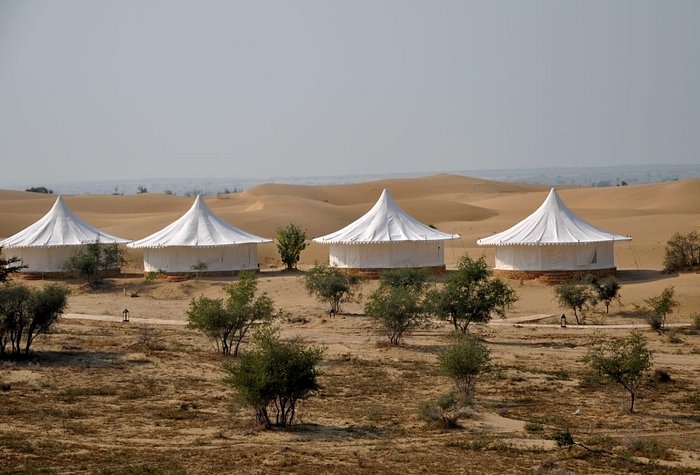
471	207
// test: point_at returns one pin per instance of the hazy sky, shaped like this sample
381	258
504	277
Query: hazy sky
138	88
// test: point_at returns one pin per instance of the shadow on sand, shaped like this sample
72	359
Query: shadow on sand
77	358
631	276
318	432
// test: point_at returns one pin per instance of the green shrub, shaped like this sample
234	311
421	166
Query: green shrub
332	285
199	267
470	295
654	320
93	260
291	240
227	323
563	438
9	266
407	277
622	360
660	307
535	427
463	362
606	290
576	297
396	311
27	313
274	377
682	252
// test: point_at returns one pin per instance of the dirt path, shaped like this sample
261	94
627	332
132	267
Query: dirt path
112	318
515	322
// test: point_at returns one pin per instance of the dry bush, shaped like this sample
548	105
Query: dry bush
446	411
149	340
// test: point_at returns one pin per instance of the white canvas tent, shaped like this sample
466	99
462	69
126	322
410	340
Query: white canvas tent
386	237
46	245
553	238
199	239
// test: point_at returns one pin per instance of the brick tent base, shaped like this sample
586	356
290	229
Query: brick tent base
182	276
58	275
373	273
553	277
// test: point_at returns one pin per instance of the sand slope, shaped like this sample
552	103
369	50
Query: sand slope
471	207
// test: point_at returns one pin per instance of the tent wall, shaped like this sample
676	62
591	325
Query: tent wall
388	255
218	259
41	259
573	257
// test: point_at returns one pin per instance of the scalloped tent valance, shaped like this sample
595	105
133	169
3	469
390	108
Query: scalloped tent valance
198	227
385	222
552	223
59	227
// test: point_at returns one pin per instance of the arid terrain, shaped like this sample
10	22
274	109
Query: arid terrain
102	396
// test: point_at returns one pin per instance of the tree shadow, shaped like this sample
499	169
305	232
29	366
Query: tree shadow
426	349
630	276
320	432
536	344
75	358
281	272
634	313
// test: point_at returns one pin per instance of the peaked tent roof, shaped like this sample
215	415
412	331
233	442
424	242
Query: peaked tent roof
551	223
385	222
198	227
59	227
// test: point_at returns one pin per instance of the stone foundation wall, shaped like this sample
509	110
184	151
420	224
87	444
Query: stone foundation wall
374	273
553	277
110	274
182	276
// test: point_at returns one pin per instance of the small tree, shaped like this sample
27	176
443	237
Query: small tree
661	306
227	323
291	240
405	277
464	361
141	190
245	308
93	260
331	285
471	295
27	313
575	297
13	317
621	360
44	308
396	310
9	266
682	252
199	267
274	377
606	290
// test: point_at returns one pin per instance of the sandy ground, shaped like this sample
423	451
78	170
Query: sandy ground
148	396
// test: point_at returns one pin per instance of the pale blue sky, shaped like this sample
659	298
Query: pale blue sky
136	88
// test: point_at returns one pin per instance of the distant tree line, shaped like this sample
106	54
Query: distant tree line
39	189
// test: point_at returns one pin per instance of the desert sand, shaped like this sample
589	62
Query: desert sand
100	396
